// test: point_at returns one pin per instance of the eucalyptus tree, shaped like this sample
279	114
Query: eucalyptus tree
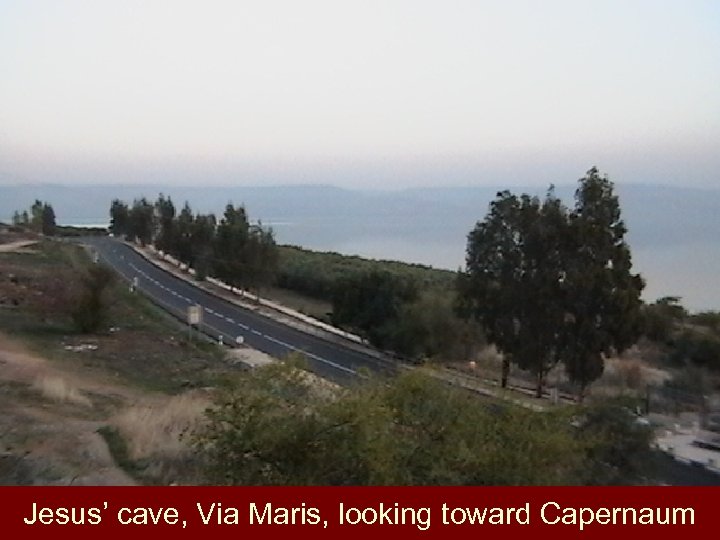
602	294
550	285
514	269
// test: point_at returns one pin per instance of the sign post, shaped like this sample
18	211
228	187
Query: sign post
194	317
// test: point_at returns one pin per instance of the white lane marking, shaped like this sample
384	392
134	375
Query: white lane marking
269	338
311	355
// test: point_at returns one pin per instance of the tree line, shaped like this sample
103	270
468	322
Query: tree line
40	218
232	249
395	306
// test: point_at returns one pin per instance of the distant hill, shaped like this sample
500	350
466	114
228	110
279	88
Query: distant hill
674	231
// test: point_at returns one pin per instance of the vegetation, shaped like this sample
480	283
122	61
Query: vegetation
371	303
689	340
77	231
392	304
551	285
660	318
619	445
318	273
74	291
146	346
276	427
138	376
407	308
89	305
547	284
232	249
40	219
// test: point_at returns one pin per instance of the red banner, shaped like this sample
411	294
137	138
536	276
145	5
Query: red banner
403	512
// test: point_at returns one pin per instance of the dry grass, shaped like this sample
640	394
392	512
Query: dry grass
156	429
60	390
18	246
633	372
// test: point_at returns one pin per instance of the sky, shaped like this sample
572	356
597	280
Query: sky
377	94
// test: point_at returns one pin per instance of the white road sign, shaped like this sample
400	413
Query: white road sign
194	314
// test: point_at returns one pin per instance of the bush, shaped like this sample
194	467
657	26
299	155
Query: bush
708	319
617	443
697	348
90	306
277	427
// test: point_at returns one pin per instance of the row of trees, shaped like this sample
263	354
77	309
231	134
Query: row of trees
232	249
551	284
393	305
40	219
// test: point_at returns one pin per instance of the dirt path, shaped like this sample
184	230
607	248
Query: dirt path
49	422
19	246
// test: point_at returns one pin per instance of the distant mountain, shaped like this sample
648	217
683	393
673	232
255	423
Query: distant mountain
674	231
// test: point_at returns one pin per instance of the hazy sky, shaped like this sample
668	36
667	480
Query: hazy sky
375	93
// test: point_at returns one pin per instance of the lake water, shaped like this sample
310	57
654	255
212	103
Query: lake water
691	271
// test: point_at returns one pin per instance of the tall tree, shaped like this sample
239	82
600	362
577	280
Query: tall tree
165	237
36	213
119	218
202	237
41	218
141	221
514	265
185	221
602	294
261	256
230	246
48	225
551	285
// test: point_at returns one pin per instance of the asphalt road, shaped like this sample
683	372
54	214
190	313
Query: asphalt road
326	358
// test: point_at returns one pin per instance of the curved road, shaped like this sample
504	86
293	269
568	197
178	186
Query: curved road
327	358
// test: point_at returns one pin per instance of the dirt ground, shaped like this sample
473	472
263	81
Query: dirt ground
19	246
65	397
50	421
